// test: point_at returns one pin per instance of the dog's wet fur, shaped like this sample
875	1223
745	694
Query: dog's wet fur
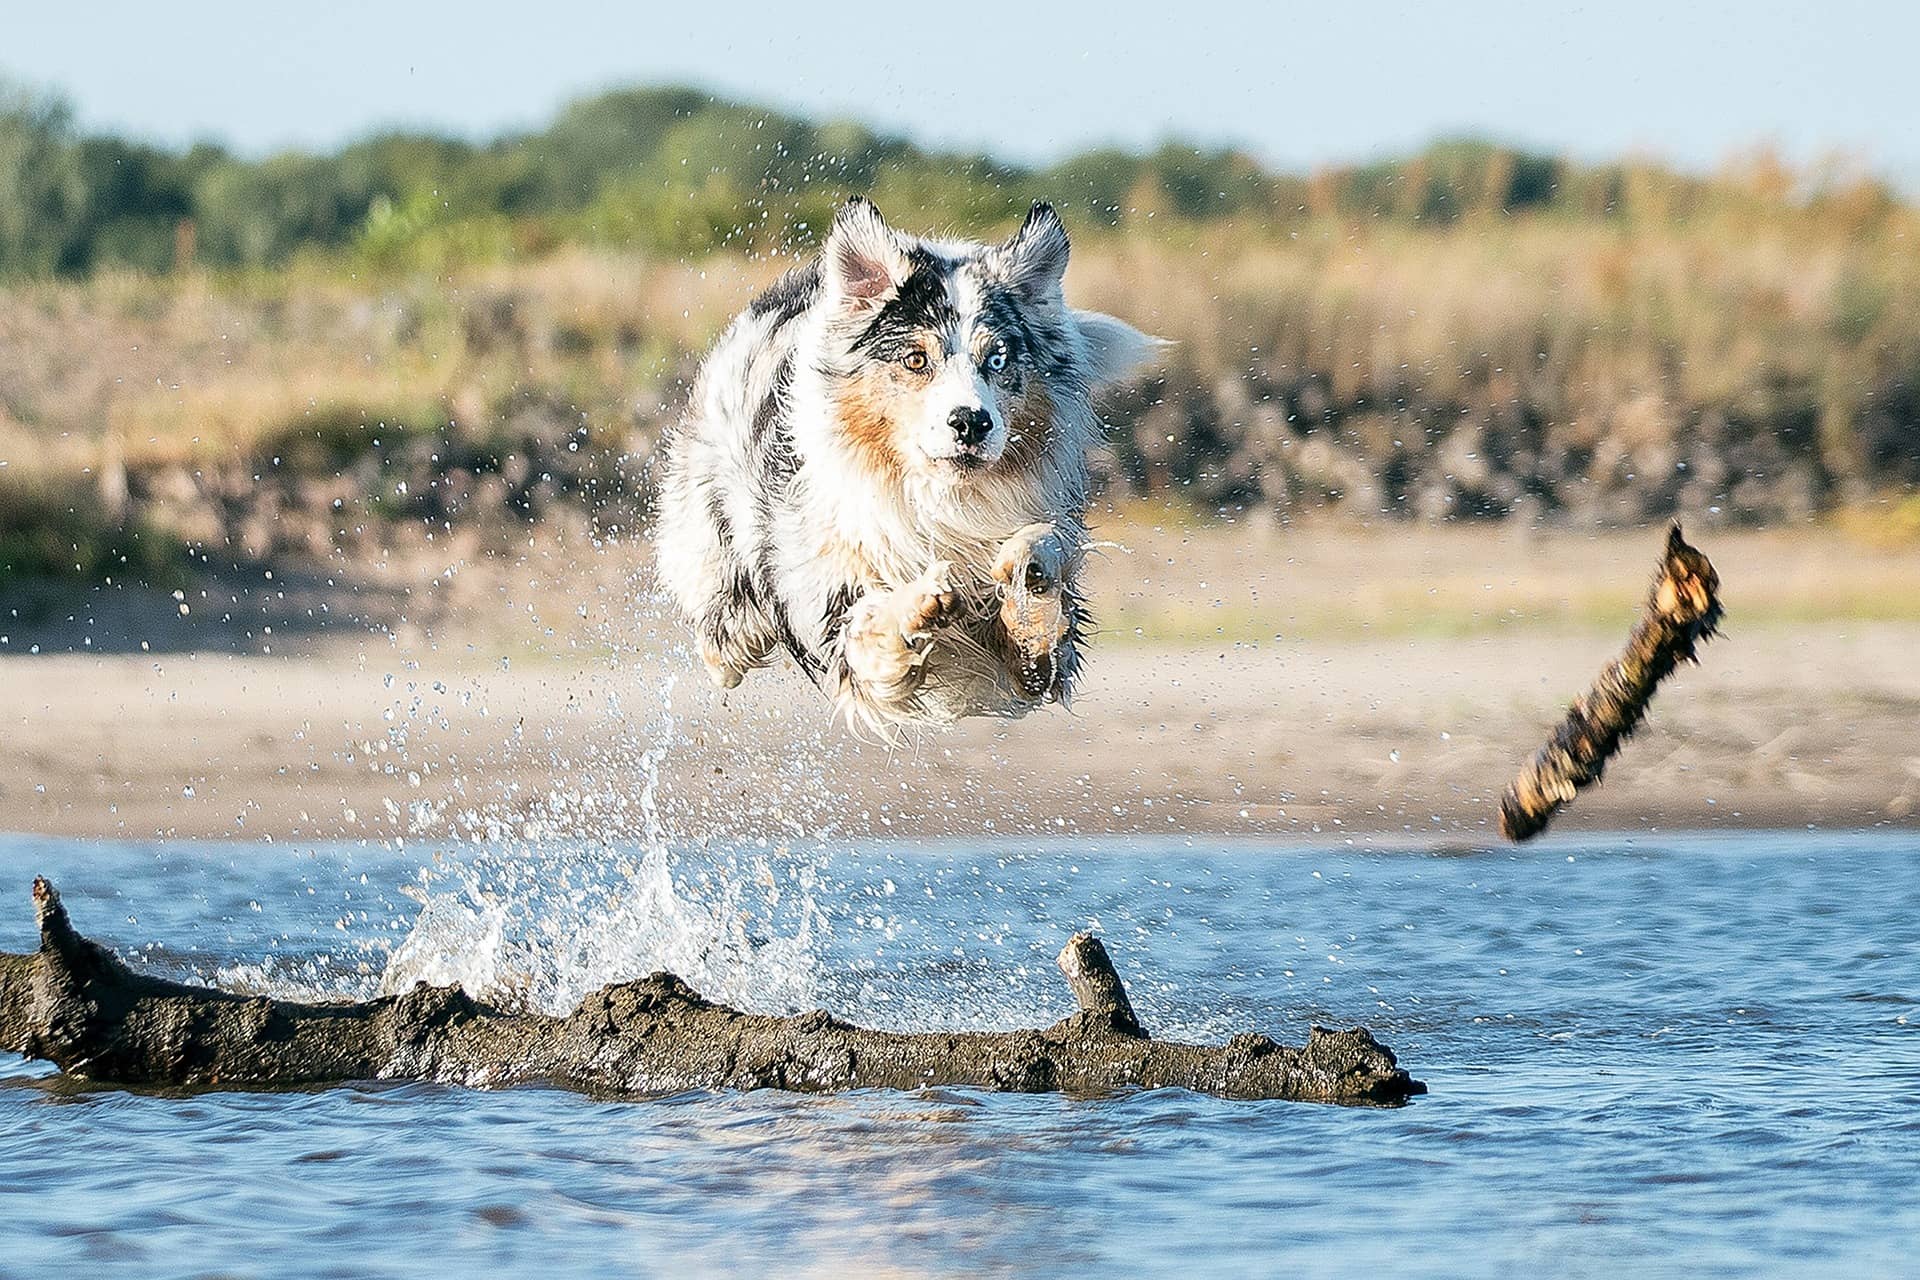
883	474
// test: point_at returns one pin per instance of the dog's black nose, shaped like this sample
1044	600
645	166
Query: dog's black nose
970	425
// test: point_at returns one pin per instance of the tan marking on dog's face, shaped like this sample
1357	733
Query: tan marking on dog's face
867	402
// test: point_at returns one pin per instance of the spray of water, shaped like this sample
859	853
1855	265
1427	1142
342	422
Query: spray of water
602	879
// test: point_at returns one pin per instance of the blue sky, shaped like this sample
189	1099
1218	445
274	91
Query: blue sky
1299	84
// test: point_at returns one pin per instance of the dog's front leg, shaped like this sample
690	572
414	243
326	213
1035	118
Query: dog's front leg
1038	608
889	635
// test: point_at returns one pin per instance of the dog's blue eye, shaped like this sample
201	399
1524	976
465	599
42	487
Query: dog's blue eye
998	360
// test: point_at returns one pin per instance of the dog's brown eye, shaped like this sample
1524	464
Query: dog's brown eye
915	361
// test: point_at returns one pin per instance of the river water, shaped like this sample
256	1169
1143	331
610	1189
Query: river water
1694	1054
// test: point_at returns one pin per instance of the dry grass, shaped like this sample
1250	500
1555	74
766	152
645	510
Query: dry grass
176	369
1594	357
1169	581
1618	324
1716	311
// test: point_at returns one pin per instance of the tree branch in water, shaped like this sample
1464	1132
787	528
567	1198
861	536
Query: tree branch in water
75	1004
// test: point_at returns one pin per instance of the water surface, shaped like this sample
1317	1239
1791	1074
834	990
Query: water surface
1696	1054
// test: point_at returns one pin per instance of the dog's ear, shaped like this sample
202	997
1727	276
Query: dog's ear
863	258
1035	258
1114	349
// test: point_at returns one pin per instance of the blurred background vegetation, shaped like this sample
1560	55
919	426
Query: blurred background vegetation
215	359
678	172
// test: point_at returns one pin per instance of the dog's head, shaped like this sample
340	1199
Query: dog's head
949	359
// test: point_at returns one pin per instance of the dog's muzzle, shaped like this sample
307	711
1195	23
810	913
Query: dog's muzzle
971	426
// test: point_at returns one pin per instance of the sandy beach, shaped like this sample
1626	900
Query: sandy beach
1316	681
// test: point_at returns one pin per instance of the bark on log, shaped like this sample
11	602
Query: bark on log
75	1004
1682	609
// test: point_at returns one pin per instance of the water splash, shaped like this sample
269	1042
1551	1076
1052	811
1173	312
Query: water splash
601	879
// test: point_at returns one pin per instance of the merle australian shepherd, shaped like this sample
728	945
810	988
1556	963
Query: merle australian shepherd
883	474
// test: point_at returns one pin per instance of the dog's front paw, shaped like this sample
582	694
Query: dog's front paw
1034	560
877	652
926	603
1034	614
890	633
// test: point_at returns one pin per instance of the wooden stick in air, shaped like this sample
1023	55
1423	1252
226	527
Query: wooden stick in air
1682	609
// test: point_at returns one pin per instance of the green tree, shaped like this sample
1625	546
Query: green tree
43	195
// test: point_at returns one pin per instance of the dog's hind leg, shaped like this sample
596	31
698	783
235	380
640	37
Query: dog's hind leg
735	634
701	562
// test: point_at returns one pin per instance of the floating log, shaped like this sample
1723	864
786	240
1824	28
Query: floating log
75	1004
1682	610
